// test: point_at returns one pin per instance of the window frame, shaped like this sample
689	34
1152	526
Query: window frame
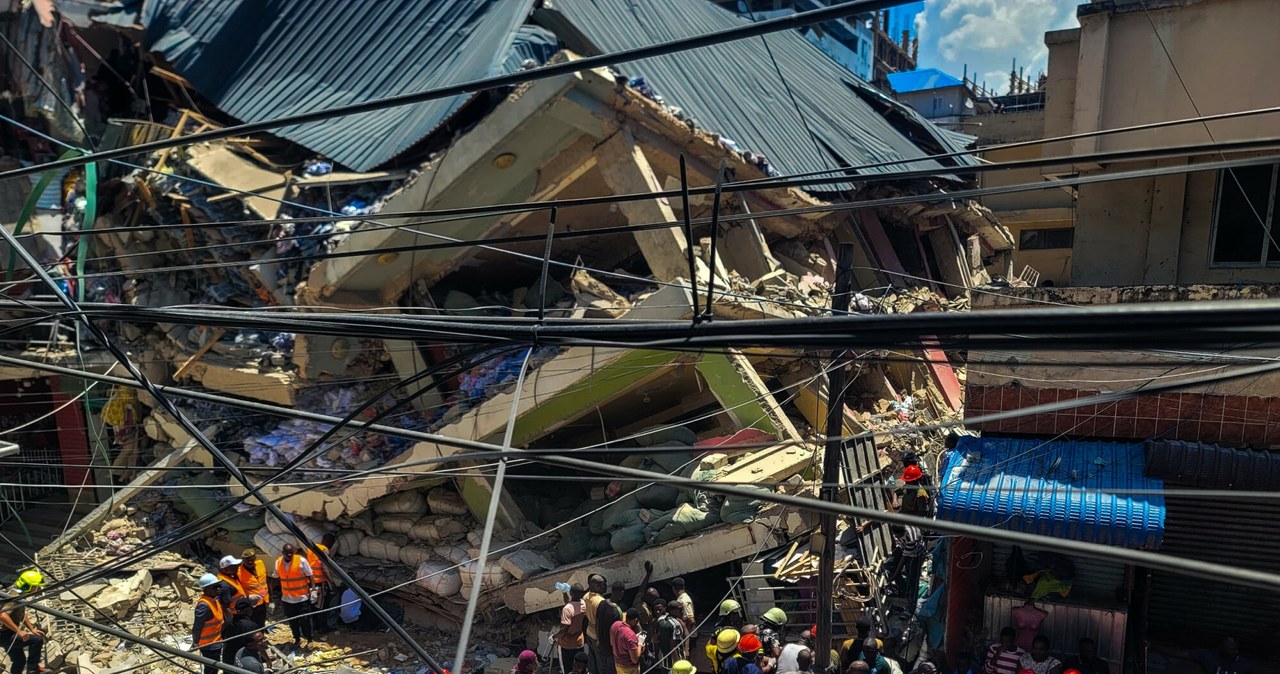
1027	230
1269	222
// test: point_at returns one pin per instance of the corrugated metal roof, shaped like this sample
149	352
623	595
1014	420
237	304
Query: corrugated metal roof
921	80
1075	490
261	59
1199	464
734	89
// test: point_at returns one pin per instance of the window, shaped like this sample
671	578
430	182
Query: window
1245	227
1045	239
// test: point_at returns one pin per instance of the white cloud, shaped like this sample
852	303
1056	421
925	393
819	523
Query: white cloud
987	35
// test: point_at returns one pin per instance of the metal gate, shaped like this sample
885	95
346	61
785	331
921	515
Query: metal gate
35	471
1238	532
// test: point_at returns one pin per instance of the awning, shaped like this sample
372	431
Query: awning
1095	492
1200	464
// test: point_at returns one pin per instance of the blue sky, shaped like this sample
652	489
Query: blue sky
986	34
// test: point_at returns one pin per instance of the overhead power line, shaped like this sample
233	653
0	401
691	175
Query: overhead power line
475	86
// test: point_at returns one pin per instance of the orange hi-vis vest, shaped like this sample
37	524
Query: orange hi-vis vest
211	631
237	590
317	567
293	582
255	581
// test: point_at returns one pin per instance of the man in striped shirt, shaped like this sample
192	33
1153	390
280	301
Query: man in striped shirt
911	552
1003	658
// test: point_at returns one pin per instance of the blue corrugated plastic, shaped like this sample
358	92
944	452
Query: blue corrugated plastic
921	80
1081	491
261	59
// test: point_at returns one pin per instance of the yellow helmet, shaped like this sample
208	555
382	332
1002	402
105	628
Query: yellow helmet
683	667
29	580
727	640
729	606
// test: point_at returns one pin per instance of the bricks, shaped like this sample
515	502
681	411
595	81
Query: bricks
1231	420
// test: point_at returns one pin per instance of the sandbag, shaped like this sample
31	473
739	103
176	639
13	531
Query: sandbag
491	577
440	578
524	563
741	509
627	539
348	542
398	524
623	519
573	546
616	515
680	522
658	496
361	521
435	529
275	526
385	547
595	523
271	545
454	553
445	501
599	544
404	502
658	434
412	555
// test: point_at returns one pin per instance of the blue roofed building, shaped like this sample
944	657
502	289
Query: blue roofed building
939	97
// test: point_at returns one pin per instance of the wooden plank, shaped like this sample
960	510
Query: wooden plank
186	365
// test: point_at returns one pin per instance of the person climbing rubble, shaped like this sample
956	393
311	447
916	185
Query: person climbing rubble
322	586
22	640
206	628
252	575
295	593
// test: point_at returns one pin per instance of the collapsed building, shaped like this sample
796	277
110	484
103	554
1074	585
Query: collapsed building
314	219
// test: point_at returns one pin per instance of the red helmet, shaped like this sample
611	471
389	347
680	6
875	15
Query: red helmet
912	473
749	643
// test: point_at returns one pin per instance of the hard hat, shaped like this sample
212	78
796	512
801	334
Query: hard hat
729	606
29	580
683	667
229	560
749	643
776	616
727	640
206	580
912	473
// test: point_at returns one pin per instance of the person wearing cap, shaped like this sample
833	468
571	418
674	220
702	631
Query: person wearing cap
295	593
627	643
596	586
253	578
206	629
683	667
228	569
527	663
723	648
749	655
20	638
238	628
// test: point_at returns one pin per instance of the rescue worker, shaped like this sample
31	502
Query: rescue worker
19	637
722	648
295	593
253	578
748	659
730	615
321	579
228	575
206	630
772	625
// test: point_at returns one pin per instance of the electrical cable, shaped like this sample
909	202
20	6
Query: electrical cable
485	84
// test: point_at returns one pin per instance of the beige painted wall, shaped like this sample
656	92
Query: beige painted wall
1054	264
1113	72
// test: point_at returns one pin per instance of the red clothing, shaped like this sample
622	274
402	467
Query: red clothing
1000	661
624	639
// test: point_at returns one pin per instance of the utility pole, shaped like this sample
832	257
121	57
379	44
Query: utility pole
836	385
